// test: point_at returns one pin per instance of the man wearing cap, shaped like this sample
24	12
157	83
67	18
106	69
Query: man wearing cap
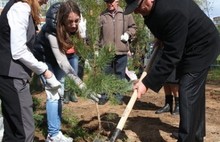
116	29
191	44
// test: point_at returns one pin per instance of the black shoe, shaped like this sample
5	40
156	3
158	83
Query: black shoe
164	109
176	111
175	135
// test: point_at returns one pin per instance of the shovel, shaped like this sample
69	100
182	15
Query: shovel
131	102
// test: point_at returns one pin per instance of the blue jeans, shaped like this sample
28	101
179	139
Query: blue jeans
54	106
74	61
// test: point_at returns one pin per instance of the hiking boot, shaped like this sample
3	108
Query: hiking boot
59	138
66	97
73	97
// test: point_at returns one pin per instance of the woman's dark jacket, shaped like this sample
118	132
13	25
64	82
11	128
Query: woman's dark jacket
42	49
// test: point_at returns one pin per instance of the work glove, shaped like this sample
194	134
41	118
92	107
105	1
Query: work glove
96	53
131	74
87	64
53	94
98	98
82	27
90	94
125	37
52	83
82	86
53	88
94	96
101	99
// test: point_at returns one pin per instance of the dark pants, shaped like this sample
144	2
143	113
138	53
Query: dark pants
192	107
117	66
17	110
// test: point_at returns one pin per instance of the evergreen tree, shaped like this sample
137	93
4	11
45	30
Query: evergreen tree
96	80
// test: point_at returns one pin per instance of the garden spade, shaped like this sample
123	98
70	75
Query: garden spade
132	100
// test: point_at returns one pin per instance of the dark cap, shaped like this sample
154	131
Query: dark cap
131	6
109	1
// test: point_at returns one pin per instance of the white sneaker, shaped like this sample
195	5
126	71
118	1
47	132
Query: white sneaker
59	138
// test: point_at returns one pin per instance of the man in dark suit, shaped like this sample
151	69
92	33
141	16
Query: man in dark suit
191	44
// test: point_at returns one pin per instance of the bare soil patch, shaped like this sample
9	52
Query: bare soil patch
143	125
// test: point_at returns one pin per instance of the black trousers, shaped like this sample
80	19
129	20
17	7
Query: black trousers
17	110
117	66
192	107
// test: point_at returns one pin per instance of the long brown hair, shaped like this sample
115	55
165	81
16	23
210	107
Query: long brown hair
63	36
35	10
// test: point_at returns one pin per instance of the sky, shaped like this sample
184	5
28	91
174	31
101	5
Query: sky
215	11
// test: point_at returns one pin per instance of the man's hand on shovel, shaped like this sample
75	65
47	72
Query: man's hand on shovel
140	87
